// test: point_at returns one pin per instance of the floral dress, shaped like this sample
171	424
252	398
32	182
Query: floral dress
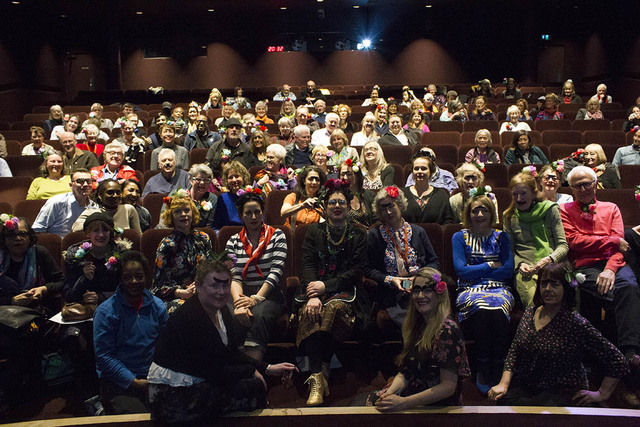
176	260
422	373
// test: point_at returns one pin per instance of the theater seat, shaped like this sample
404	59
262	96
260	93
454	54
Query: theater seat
469	138
560	151
452	126
13	148
399	154
224	234
625	200
29	208
603	137
629	175
133	236
441	138
550	137
495	175
436	237
198	155
398	178
506	138
26	166
584	125
273	204
446	264
53	243
150	240
6	207
542	125
153	203
444	153
14	189
503	197
476	125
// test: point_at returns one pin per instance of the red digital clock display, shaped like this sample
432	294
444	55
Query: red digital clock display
275	49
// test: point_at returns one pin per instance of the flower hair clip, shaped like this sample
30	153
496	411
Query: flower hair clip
634	129
66	117
334	184
10	222
227	258
180	193
376	87
531	170
405	87
574	278
482	191
354	167
379	107
335	109
391	99
437	284
637	193
330	154
578	155
558	166
480	166
248	190
392	192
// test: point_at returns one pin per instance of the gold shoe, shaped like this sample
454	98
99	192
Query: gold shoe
318	388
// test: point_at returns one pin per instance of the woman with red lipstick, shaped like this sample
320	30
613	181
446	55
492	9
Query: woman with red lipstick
536	232
433	360
261	251
125	330
179	253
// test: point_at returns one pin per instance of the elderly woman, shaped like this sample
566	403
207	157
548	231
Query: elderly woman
200	177
544	365
374	98
426	203
113	167
55	118
261	113
90	270
483	261
481	112
285	137
275	176
482	153
592	112
320	155
339	144
287	109
455	111
37	146
607	173
536	233
334	260
54	178
29	276
362	203
195	387
93	144
257	154
261	251
125	330
368	131
468	177
549	181
71	124
301	206
179	253
523	151
131	191
550	111
234	178
513	123
396	251
433	360
377	172
344	112
568	95
108	196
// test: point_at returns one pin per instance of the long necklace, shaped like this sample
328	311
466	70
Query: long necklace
339	242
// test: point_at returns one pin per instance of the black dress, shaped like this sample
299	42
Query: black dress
432	208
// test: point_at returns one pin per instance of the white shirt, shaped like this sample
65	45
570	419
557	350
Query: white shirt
515	128
321	137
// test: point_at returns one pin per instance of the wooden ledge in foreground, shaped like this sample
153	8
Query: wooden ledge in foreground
520	416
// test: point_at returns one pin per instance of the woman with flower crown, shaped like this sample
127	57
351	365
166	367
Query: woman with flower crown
261	251
234	178
396	251
544	365
275	176
483	261
535	228
361	210
199	372
470	180
179	253
334	260
549	180
433	361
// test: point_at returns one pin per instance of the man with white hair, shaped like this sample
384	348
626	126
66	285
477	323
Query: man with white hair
320	116
113	165
595	234
299	153
169	178
323	136
601	95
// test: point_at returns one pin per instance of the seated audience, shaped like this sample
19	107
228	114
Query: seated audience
214	100
441	178
334	261
108	198
71	124
201	136
125	330
544	365
261	113
37	146
455	111
550	111
92	143
200	177
592	112
75	157
382	127
238	100
569	95
170	177
396	251
607	173
194	387
155	140
483	261
417	122
54	177
93	124
469	177
433	361
227	111
601	95
513	123
523	107
311	93
234	178
304	118
377	172
523	151
302	206
367	132
549	181
482	153
261	251
595	234
396	135
181	154
535	230
483	88
287	110
179	253
633	120
339	144
192	114
60	212
481	112
275	175
323	135
373	98
55	118
113	167
285	137
510	90
299	153
629	155
320	155
5	170
131	191
426	203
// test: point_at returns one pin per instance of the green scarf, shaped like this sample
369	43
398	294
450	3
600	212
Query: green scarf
535	218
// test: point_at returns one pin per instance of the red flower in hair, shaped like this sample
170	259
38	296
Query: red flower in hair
263	128
333	184
166	200
392	192
257	191
348	162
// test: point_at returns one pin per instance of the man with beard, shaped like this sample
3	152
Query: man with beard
228	149
202	137
169	178
299	153
168	135
75	158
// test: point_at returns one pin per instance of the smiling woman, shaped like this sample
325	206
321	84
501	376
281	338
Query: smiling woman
54	178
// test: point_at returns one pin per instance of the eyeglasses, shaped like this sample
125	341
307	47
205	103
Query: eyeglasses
387	207
201	180
18	234
550	177
416	290
583	186
115	153
371	149
81	181
337	202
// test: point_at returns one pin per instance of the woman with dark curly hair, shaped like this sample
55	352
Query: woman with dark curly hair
301	206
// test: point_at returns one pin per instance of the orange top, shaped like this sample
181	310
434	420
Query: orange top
303	216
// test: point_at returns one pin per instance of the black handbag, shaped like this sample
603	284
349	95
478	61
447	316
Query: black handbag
16	316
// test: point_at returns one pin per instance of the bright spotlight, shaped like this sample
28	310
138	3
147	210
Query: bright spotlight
366	43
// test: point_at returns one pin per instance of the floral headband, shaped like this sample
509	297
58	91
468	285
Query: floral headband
248	190
354	167
376	87
9	221
531	170
226	257
405	87
480	166
482	191
195	104
574	278
380	107
634	129
180	193
436	284
637	193
329	154
558	166
578	155
392	192
336	184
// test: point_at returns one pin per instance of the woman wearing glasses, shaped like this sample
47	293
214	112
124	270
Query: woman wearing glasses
433	360
549	181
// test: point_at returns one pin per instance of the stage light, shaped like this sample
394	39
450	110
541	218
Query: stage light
366	43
